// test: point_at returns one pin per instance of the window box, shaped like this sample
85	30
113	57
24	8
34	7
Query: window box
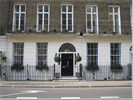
116	68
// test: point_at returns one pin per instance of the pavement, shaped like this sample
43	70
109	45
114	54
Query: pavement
65	84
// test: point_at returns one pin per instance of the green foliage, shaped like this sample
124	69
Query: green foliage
92	68
17	31
43	30
116	68
17	67
64	30
57	59
42	67
111	32
78	58
3	58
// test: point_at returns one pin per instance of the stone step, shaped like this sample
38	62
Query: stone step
67	79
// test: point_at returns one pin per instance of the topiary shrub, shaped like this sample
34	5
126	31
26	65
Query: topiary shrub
41	67
17	67
78	58
92	68
116	68
57	59
3	58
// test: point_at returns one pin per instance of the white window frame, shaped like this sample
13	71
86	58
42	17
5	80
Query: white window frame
13	28
115	55
18	55
91	13
42	54
67	16
113	14
37	22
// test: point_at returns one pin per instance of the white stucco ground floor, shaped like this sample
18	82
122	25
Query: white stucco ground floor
68	46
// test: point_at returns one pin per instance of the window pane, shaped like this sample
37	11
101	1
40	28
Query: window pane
22	22
45	8
70	16
94	23
40	8
16	8
63	8
89	21
88	8
69	8
70	28
94	9
110	9
22	8
17	21
64	16
116	9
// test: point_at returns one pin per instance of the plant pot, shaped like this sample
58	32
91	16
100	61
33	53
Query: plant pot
57	75
78	74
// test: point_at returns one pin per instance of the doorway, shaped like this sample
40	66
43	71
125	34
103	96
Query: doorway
67	65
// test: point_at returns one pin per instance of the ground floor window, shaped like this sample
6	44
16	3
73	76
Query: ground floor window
42	53
92	53
115	53
18	51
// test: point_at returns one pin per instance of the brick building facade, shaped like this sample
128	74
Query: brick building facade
97	20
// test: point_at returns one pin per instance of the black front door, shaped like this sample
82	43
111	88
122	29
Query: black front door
67	65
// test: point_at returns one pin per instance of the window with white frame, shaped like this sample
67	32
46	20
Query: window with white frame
115	53
92	53
43	17
114	19
19	17
42	53
67	17
18	53
92	18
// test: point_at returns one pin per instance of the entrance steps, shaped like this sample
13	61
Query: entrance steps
67	79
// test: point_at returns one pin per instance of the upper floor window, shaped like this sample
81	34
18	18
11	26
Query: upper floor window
18	53
19	17
91	19
115	53
43	18
67	17
114	19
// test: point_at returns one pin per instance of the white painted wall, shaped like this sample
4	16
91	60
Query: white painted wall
55	41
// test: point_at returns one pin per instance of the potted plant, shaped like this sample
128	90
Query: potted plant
3	58
92	68
17	31
78	59
113	32
17	67
116	68
42	67
43	30
57	59
64	30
